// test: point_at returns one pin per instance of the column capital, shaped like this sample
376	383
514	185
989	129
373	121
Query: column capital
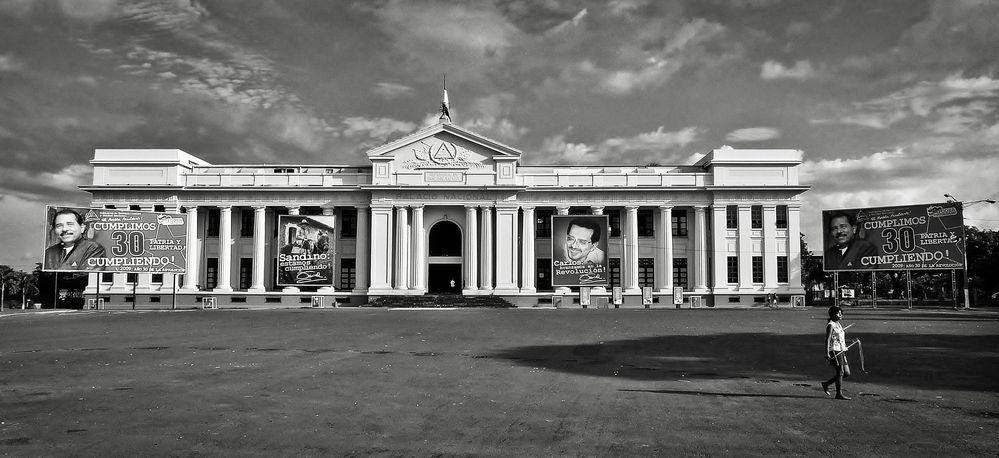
597	209
527	207
562	209
224	207
770	206
665	207
259	208
631	208
700	208
416	207
744	206
190	208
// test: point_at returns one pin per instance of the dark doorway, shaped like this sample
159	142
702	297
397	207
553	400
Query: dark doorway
440	277
444	239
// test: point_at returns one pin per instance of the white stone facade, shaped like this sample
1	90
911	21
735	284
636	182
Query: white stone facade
726	226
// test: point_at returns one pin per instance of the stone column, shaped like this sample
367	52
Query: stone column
471	260
769	247
745	247
193	250
605	235
631	248
506	250
225	249
664	242
381	249
419	265
719	245
330	211
528	262
402	248
292	210
487	248
362	251
562	209
794	250
701	250
259	237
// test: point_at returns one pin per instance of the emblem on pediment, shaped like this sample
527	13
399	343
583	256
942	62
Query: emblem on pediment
437	155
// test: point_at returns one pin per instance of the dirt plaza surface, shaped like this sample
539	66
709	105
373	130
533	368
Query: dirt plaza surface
494	382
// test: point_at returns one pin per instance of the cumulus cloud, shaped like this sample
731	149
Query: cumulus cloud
657	146
773	70
753	134
375	128
391	90
10	63
952	105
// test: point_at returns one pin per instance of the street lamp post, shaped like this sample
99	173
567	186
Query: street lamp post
950	198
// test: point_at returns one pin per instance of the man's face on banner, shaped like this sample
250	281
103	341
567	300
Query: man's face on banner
67	228
579	242
841	230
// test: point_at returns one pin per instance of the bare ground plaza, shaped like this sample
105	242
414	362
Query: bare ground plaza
494	382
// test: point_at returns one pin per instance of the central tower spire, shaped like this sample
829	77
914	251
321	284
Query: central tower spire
445	110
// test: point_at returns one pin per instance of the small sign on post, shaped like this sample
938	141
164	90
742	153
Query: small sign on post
584	296
317	302
210	302
616	294
677	296
647	296
695	301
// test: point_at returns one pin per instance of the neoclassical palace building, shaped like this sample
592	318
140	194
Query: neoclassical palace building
445	210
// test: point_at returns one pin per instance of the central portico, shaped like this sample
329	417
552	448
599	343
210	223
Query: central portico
444	208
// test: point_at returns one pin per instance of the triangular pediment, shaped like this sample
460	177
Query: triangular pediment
444	155
455	138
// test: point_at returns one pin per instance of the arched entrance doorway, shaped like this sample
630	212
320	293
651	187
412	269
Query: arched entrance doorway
444	244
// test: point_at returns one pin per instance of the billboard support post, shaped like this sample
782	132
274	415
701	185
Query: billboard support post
173	306
134	283
908	288
874	290
55	292
836	289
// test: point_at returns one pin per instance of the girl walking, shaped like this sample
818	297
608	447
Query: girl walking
836	352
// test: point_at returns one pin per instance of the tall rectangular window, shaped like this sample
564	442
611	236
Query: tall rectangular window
348	273
211	273
680	277
348	223
213	216
245	272
646	223
782	269
646	272
678	219
544	272
246	222
731	217
756	216
757	269
733	269
131	278
157	278
543	223
615	223
107	277
615	271
278	212
782	217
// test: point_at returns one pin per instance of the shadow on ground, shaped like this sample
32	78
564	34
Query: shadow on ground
920	361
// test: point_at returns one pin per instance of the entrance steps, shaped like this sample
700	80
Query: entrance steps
440	301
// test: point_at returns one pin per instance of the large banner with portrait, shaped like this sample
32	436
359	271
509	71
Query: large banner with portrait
910	237
579	250
107	240
306	257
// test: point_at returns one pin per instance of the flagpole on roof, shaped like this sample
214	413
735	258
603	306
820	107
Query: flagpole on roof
445	109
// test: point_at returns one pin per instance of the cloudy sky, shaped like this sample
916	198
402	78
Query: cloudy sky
892	102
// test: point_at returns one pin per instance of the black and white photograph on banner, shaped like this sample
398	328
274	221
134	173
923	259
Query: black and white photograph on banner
109	240
909	237
579	250
306	256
